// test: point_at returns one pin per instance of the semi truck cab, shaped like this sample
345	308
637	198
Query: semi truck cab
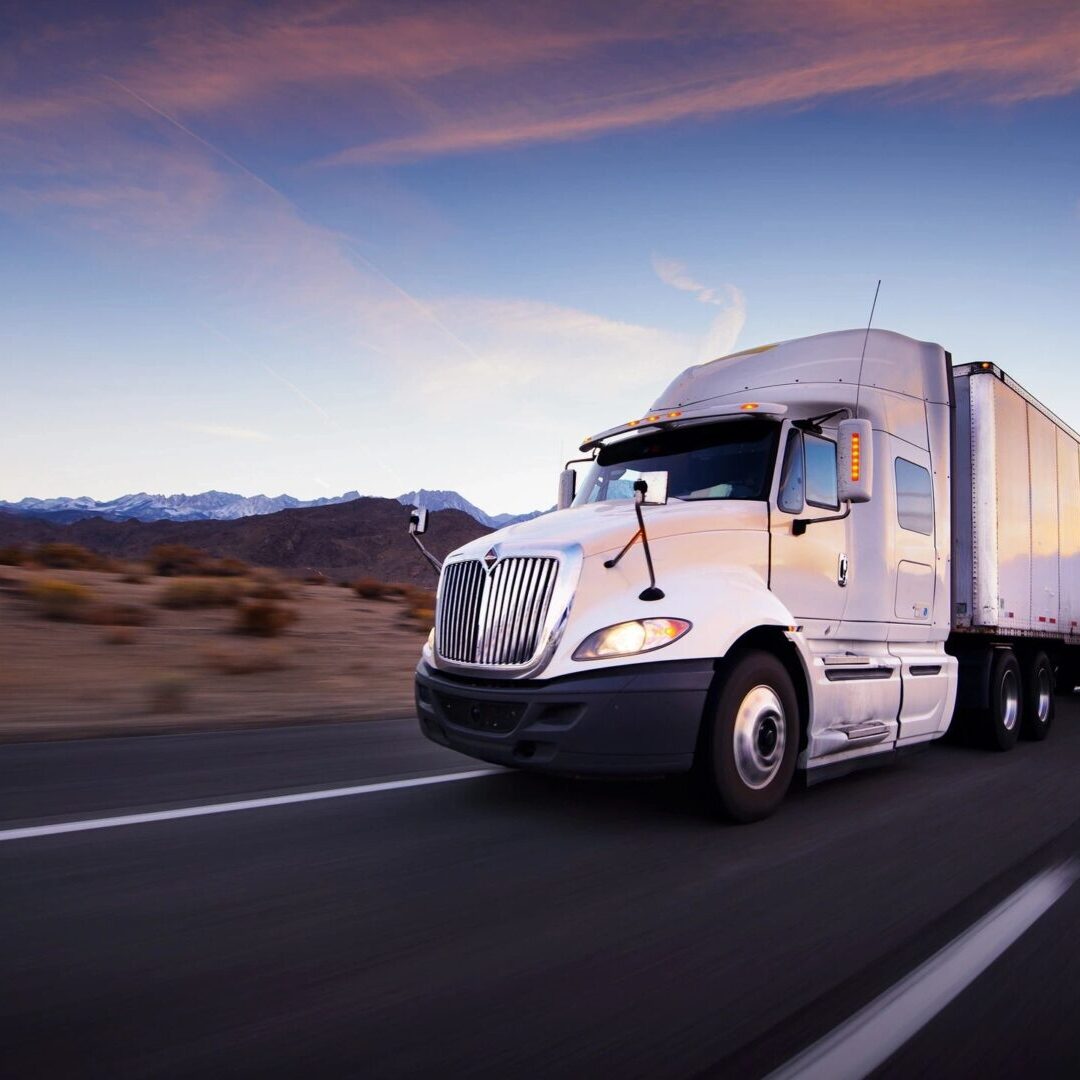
754	576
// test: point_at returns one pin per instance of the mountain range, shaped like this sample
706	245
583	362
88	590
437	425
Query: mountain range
226	506
362	537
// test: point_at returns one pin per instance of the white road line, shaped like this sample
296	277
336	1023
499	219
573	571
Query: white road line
58	827
861	1044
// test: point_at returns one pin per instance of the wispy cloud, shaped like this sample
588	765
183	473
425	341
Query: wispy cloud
725	328
444	78
788	55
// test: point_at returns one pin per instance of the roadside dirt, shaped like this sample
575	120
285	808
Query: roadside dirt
343	658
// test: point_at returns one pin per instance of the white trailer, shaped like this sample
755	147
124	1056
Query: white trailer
802	556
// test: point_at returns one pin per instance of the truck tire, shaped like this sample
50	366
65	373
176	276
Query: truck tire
1038	697
751	737
1003	718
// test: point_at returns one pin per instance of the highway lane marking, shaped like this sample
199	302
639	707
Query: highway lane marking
875	1033
85	825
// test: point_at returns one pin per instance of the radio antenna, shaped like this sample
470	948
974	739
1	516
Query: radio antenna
866	338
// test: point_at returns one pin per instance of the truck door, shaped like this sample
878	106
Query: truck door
808	572
928	674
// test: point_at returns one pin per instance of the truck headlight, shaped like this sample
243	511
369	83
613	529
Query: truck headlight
629	638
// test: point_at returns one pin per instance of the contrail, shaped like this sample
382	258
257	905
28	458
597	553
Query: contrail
270	371
198	138
346	241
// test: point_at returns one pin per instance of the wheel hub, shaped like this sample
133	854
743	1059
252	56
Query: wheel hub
760	736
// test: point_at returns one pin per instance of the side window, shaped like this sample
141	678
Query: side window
914	497
790	497
821	473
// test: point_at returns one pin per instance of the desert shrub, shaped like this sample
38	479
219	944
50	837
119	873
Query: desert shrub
267	586
246	661
175	560
370	589
201	593
14	555
106	614
419	606
228	567
63	556
181	560
264	618
315	578
168	693
62	600
131	573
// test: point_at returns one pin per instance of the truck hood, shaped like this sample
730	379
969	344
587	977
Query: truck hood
607	526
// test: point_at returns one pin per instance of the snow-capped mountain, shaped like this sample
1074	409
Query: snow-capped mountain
222	506
451	500
208	505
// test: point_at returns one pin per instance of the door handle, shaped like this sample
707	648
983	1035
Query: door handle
841	572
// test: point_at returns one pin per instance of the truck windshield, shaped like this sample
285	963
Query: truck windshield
728	460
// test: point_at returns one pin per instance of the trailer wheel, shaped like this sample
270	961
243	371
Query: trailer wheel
752	737
1002	721
1038	698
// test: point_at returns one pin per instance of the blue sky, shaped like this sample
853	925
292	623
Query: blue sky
370	246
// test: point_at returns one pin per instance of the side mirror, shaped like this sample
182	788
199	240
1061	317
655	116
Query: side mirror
418	522
567	488
855	461
653	488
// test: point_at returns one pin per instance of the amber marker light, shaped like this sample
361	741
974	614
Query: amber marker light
856	457
750	406
674	415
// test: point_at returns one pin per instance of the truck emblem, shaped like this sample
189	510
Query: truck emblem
491	558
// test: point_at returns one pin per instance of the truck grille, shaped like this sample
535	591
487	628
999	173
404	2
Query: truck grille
496	617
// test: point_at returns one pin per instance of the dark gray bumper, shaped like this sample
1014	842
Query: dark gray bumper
636	719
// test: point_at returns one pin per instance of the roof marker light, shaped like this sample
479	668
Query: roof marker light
674	415
652	419
632	423
749	406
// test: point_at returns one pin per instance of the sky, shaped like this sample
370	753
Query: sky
316	247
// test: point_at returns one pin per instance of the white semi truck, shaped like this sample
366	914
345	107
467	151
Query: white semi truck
802	556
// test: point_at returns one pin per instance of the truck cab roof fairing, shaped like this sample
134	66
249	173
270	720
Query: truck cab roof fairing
894	363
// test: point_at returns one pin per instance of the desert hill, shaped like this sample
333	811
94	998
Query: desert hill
366	537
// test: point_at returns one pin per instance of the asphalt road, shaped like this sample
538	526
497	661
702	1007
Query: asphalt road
511	925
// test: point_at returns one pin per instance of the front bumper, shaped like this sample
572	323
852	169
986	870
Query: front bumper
636	719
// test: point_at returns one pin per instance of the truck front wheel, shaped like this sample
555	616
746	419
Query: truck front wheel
752	737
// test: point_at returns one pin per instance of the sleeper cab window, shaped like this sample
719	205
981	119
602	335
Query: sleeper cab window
790	498
821	487
914	497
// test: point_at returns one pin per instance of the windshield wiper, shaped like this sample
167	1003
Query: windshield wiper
652	592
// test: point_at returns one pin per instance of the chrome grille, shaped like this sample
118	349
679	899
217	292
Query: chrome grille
494	618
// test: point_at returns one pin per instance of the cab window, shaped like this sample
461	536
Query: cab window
914	497
790	497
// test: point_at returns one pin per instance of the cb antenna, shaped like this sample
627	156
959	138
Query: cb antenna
866	338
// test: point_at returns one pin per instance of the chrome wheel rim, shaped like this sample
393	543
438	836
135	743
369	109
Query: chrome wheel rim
1044	693
760	737
1010	699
